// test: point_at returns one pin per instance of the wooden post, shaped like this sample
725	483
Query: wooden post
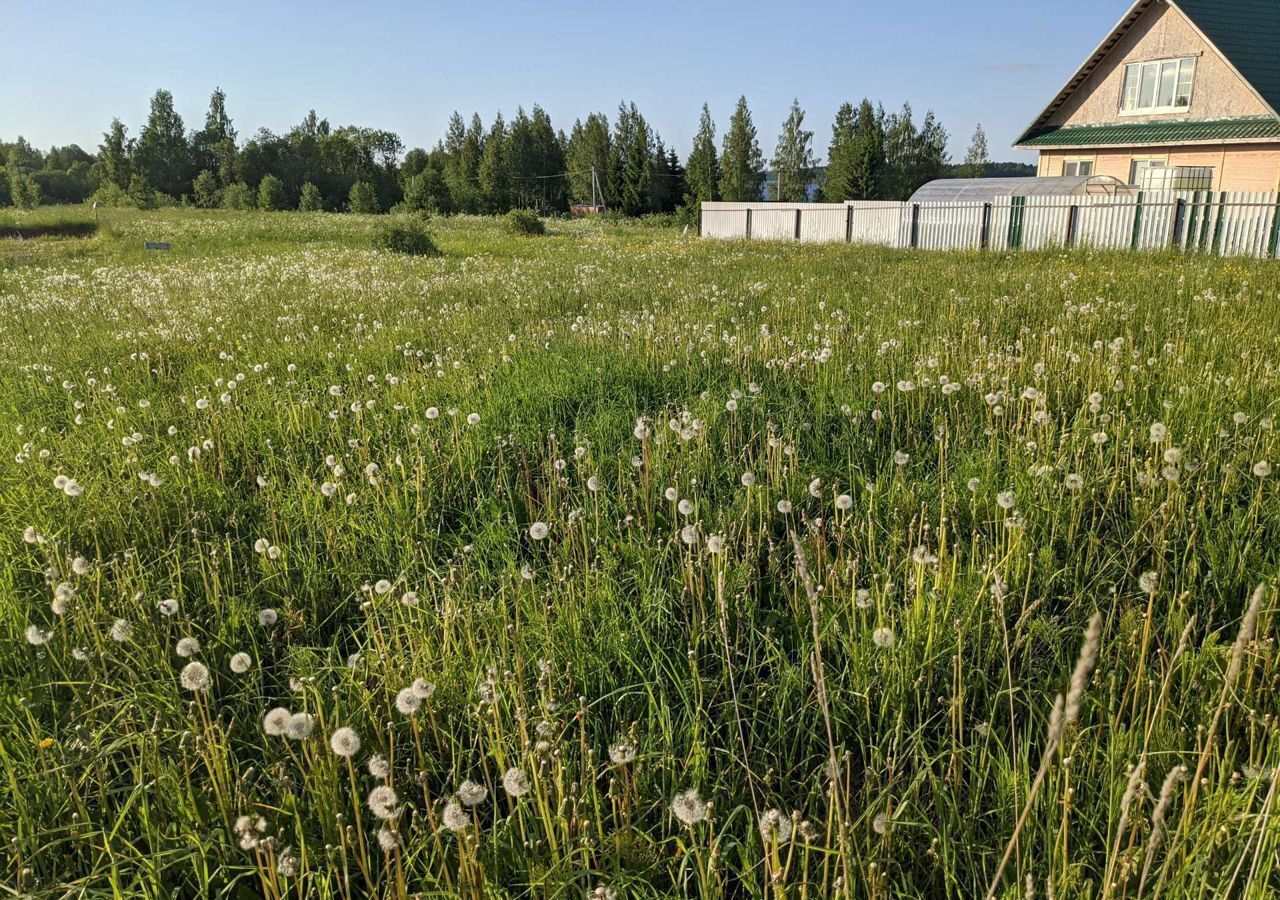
915	225
798	210
1217	227
1179	221
1073	215
985	241
848	224
748	223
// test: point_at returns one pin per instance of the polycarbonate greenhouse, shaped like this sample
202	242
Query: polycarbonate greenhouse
985	190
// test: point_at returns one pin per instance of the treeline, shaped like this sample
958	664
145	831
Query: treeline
477	168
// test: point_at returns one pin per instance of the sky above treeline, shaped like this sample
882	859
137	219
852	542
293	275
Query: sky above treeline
66	71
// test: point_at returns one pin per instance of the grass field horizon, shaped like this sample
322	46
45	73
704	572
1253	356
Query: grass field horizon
619	563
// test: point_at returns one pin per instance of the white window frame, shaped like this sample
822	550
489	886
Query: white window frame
1182	65
1077	161
1161	161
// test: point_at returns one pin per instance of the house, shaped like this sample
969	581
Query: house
1181	95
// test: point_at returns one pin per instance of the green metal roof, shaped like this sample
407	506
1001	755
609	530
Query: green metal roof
1247	32
1187	131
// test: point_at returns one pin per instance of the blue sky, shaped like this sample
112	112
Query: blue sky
405	66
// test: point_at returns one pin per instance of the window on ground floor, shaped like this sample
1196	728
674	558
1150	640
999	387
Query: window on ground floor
1077	167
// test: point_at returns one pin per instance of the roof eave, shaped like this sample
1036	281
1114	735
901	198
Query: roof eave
1091	61
1205	142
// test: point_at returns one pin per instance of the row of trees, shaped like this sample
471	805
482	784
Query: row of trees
479	168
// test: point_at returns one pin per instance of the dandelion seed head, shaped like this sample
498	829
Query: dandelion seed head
345	742
241	663
515	782
472	793
276	722
383	802
195	676
688	807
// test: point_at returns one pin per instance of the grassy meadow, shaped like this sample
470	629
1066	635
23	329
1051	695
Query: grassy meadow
614	563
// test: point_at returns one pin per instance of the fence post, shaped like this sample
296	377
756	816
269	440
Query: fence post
1073	213
748	223
798	223
699	220
848	224
1137	224
1217	227
1016	205
985	240
1179	221
1273	245
915	225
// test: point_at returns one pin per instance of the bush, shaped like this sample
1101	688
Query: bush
525	221
310	200
237	196
405	235
205	190
270	193
363	198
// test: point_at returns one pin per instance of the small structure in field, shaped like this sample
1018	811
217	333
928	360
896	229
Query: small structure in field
985	190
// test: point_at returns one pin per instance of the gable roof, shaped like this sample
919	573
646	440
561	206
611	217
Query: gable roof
1245	33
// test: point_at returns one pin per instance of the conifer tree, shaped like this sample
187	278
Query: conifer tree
741	164
703	168
793	159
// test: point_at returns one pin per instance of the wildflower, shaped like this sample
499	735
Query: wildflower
688	807
267	617
844	502
784	506
685	507
538	531
378	766
454	816
409	598
195	676
815	488
880	824
862	598
80	566
423	688
593	484
472	793
276	722
775	827
1158	432
300	726
387	839
287	863
382	587
602	892
473	418
261	545
1099	438
715	543
1262	469
689	534
167	607
748	479
37	636
345	742
241	663
972	484
408	701
187	647
1148	582
121	631
622	752
515	782
328	489
72	488
1074	482
1006	499
900	458
383	802
883	637
247	831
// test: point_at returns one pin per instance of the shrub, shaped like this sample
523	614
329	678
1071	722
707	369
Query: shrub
24	191
237	196
364	199
525	221
310	200
270	193
405	235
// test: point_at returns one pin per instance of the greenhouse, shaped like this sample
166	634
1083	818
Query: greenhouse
985	190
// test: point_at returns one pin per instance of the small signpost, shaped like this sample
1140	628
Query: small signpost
157	245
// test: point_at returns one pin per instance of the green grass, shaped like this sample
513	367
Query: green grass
274	415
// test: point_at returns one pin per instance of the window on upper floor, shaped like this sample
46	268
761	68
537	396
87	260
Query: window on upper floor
1162	85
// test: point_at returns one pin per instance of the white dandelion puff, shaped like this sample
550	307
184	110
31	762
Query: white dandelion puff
345	742
688	807
195	676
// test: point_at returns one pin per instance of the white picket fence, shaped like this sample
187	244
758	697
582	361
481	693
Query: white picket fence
1220	223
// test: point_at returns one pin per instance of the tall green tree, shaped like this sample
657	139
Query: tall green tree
549	161
838	186
114	153
741	163
901	147
310	199
363	198
866	155
495	174
590	150
633	144
163	155
977	158
216	141
271	193
793	159
703	167
205	192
